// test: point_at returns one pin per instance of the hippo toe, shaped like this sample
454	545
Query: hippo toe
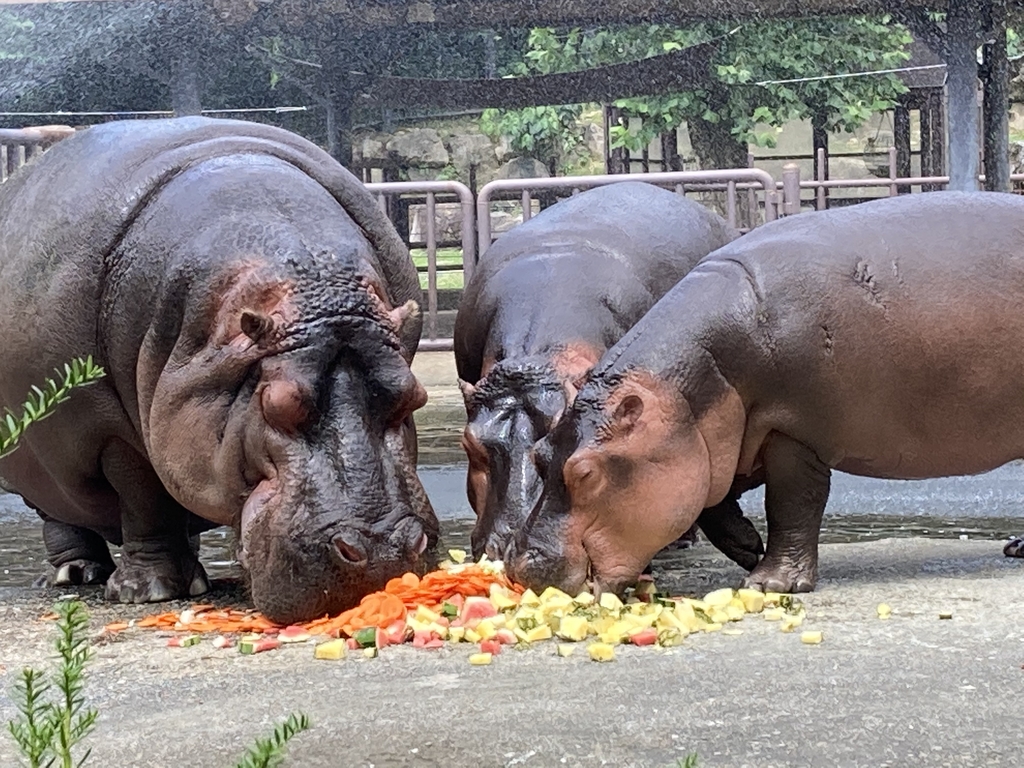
145	577
80	556
1015	548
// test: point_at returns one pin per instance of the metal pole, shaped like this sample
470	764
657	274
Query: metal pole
962	21
996	101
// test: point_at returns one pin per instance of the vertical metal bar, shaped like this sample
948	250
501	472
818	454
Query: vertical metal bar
382	203
819	190
790	189
21	156
431	267
752	198
468	237
730	202
681	189
483	224
3	163
527	206
893	172
575	191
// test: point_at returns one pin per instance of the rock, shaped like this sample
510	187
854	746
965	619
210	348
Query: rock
593	136
504	151
523	168
447	223
418	148
370	151
469	149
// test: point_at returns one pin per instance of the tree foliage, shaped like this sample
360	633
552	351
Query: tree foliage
743	97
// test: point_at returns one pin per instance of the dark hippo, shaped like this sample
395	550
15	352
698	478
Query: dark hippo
883	340
256	315
546	302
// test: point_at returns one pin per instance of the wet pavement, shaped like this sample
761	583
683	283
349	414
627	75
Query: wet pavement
911	691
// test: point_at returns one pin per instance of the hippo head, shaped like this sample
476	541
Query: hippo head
508	411
293	423
626	472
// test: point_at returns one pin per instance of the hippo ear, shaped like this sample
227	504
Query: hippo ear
468	390
400	316
256	325
627	414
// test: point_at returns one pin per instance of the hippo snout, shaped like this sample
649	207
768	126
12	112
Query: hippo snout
539	568
495	543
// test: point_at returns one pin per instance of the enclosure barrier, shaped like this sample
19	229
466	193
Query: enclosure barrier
430	190
18	146
729	180
792	185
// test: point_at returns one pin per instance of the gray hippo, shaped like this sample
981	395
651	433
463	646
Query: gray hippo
256	315
546	302
884	340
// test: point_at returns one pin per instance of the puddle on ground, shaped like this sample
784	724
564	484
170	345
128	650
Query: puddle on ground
23	559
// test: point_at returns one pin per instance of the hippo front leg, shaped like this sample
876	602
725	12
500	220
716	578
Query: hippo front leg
159	560
725	526
795	492
80	556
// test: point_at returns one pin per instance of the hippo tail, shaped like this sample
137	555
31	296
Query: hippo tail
116	168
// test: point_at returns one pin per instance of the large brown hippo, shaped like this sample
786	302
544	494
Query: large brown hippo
256	315
883	340
547	301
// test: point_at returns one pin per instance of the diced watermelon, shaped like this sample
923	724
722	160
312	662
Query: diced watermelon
457	601
647	636
381	639
396	633
492	647
444	621
434	644
477	608
353	644
421	637
506	637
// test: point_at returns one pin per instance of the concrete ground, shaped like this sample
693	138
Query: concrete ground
911	691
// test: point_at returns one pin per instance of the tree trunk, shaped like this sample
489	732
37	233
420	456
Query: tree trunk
716	149
339	124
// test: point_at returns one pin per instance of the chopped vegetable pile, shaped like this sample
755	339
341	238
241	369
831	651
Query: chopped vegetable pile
475	603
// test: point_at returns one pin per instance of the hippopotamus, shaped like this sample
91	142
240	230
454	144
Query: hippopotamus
256	316
548	299
884	339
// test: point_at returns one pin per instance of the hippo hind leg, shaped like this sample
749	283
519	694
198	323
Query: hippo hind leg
795	492
1015	548
160	559
80	556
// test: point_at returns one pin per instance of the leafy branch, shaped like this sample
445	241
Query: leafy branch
267	753
49	731
42	402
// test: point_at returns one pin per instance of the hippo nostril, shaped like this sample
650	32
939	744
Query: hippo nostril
350	553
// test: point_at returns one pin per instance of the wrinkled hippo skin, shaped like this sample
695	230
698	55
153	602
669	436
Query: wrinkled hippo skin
884	340
547	300
256	315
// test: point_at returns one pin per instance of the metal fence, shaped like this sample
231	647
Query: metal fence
750	191
429	192
792	186
732	182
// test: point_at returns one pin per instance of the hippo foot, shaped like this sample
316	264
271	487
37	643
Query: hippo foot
82	572
787	577
1015	548
155	580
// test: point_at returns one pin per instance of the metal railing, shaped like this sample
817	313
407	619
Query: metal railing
792	185
430	191
731	181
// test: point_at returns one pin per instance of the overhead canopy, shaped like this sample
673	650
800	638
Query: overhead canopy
482	14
